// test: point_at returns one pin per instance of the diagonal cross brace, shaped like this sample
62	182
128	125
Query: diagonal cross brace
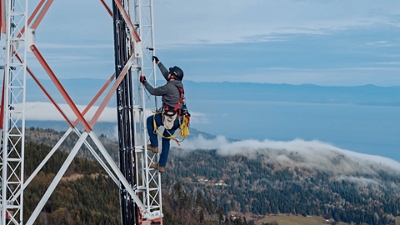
57	179
60	88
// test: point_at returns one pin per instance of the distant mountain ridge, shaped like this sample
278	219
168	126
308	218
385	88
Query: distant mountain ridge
306	93
83	90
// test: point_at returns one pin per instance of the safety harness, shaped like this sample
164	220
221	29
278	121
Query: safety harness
175	109
169	115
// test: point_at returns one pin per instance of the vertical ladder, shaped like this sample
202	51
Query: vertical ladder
149	182
131	104
13	109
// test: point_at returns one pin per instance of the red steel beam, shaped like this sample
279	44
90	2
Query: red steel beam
96	97
49	96
3	16
107	8
32	16
45	92
112	90
60	88
41	14
127	20
35	11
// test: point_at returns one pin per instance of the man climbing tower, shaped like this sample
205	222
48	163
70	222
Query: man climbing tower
168	116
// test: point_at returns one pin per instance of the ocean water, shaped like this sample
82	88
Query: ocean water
366	129
361	128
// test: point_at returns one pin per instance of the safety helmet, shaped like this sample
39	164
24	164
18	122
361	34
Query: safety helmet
176	72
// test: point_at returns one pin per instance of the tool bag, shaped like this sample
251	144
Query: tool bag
168	118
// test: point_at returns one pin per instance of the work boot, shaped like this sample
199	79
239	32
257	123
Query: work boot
152	149
161	169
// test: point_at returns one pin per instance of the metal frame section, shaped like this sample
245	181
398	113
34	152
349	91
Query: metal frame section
141	202
13	106
149	182
124	95
136	38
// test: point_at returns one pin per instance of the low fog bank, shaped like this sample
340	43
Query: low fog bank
45	111
308	154
298	153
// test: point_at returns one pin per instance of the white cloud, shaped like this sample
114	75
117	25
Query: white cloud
358	180
301	153
47	111
87	42
349	76
198	118
76	46
209	21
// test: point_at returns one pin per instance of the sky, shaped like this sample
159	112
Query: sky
331	43
328	43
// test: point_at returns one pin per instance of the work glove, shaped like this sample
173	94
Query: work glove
155	59
142	79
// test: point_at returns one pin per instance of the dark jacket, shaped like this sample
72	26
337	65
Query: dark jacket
169	91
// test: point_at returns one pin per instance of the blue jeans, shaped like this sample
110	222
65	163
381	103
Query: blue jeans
165	141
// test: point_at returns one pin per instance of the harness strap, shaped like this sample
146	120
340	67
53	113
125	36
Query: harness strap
181	93
184	127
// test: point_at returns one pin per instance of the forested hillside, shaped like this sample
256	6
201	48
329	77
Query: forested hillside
86	195
252	185
207	187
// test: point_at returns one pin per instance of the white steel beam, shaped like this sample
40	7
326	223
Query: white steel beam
16	42
149	180
13	136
